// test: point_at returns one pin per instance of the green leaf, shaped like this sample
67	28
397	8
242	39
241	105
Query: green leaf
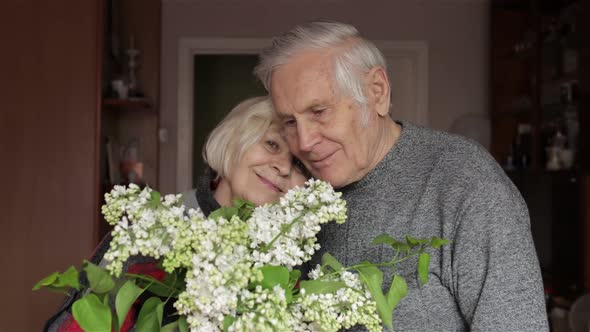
182	324
400	246
171	286
150	315
105	301
170	327
91	314
289	295
60	290
274	275
331	261
423	265
294	276
240	203
156	289
155	199
397	291
49	280
437	242
227	321
225	212
60	283
68	279
99	279
384	239
413	242
244	207
176	279
125	299
393	243
320	286
373	279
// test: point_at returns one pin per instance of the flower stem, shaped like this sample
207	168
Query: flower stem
281	233
352	267
170	295
152	280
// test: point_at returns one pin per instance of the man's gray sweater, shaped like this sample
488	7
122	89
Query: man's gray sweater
436	184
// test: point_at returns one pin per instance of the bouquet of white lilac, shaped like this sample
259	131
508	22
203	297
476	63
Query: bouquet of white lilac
234	269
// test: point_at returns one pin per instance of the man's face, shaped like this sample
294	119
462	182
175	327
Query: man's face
323	128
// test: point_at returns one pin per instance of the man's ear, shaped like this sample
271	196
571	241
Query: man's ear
378	90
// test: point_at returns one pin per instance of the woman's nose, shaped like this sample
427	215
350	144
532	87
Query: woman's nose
282	163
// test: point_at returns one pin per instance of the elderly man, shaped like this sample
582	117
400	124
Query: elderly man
331	90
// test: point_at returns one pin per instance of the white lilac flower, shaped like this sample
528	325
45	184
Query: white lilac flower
222	258
348	306
297	217
266	310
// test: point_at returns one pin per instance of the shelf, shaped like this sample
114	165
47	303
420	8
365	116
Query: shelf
565	78
554	106
526	55
554	8
127	104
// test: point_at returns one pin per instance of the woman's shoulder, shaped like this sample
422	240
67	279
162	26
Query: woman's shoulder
189	199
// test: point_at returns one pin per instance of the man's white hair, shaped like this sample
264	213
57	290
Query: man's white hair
355	56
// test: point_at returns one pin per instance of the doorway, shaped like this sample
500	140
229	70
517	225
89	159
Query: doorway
221	82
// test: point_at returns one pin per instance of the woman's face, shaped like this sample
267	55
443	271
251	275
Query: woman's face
266	170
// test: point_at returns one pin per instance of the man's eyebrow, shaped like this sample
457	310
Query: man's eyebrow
283	115
307	108
315	104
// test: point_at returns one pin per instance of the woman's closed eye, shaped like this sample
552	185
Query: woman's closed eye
272	145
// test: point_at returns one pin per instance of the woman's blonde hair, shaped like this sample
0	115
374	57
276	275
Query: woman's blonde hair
241	128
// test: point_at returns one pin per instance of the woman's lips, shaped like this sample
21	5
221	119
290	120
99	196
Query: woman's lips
270	184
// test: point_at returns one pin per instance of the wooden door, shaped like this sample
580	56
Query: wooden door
48	144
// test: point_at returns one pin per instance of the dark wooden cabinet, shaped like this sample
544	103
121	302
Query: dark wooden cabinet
537	84
555	206
540	94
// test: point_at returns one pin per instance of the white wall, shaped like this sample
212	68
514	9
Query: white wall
456	32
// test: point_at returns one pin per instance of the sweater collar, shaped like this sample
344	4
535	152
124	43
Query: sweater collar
204	194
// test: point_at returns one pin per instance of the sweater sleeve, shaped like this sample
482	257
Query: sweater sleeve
495	270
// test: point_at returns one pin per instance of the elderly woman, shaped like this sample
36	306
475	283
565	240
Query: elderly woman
247	158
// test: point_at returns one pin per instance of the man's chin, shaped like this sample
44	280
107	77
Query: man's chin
330	177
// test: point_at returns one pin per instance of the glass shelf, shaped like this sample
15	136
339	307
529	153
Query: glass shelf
127	104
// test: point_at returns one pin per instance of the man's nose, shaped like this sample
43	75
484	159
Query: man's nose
307	137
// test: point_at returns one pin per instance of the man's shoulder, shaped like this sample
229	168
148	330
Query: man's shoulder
445	142
455	158
445	146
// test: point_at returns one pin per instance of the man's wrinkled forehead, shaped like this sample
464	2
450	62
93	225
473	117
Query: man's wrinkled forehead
302	84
